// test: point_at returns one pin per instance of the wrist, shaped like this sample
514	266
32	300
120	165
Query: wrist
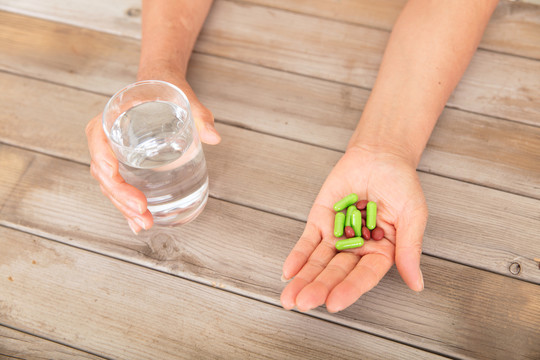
392	136
381	150
396	123
161	69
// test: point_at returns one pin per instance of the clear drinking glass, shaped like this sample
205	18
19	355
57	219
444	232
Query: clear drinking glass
152	133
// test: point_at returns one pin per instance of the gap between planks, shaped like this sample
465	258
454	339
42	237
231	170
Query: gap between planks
290	124
227	235
471	94
19	344
380	16
265	149
131	301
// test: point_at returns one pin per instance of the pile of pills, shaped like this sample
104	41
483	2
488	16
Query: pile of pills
358	223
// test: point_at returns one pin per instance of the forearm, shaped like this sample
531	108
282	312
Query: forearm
428	51
169	32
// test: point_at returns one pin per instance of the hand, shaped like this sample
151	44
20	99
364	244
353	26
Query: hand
104	166
323	275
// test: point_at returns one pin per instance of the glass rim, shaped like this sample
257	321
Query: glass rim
134	85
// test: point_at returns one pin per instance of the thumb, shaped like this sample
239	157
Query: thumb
204	120
409	233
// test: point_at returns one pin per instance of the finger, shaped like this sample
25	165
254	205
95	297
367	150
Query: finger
136	220
122	192
104	167
204	121
314	266
133	226
301	252
100	151
409	233
365	276
315	293
308	242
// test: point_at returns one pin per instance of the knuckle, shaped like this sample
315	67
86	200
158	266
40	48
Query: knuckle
94	170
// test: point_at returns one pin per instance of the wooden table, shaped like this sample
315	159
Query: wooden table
287	81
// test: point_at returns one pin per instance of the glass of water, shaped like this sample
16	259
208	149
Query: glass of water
152	133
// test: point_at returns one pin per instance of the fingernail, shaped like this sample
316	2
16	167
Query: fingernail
283	278
140	223
132	227
421	281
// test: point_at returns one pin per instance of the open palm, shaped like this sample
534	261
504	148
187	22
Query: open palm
323	275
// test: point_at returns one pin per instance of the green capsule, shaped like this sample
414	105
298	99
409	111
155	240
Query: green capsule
339	224
349	243
356	222
350	210
345	202
371	215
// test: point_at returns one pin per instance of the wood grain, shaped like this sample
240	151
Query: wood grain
270	101
119	17
215	281
513	28
273	171
58	199
124	311
352	56
11	174
19	345
41	49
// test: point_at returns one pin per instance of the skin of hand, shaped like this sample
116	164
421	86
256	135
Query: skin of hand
169	32
323	275
428	51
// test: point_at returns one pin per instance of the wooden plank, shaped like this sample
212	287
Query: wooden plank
270	101
65	186
498	92
310	186
487	87
460	206
54	120
380	14
44	48
457	314
19	345
351	54
513	28
512	21
124	311
119	17
14	166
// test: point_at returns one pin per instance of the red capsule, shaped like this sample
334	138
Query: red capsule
361	205
349	232
366	234
363	213
377	233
